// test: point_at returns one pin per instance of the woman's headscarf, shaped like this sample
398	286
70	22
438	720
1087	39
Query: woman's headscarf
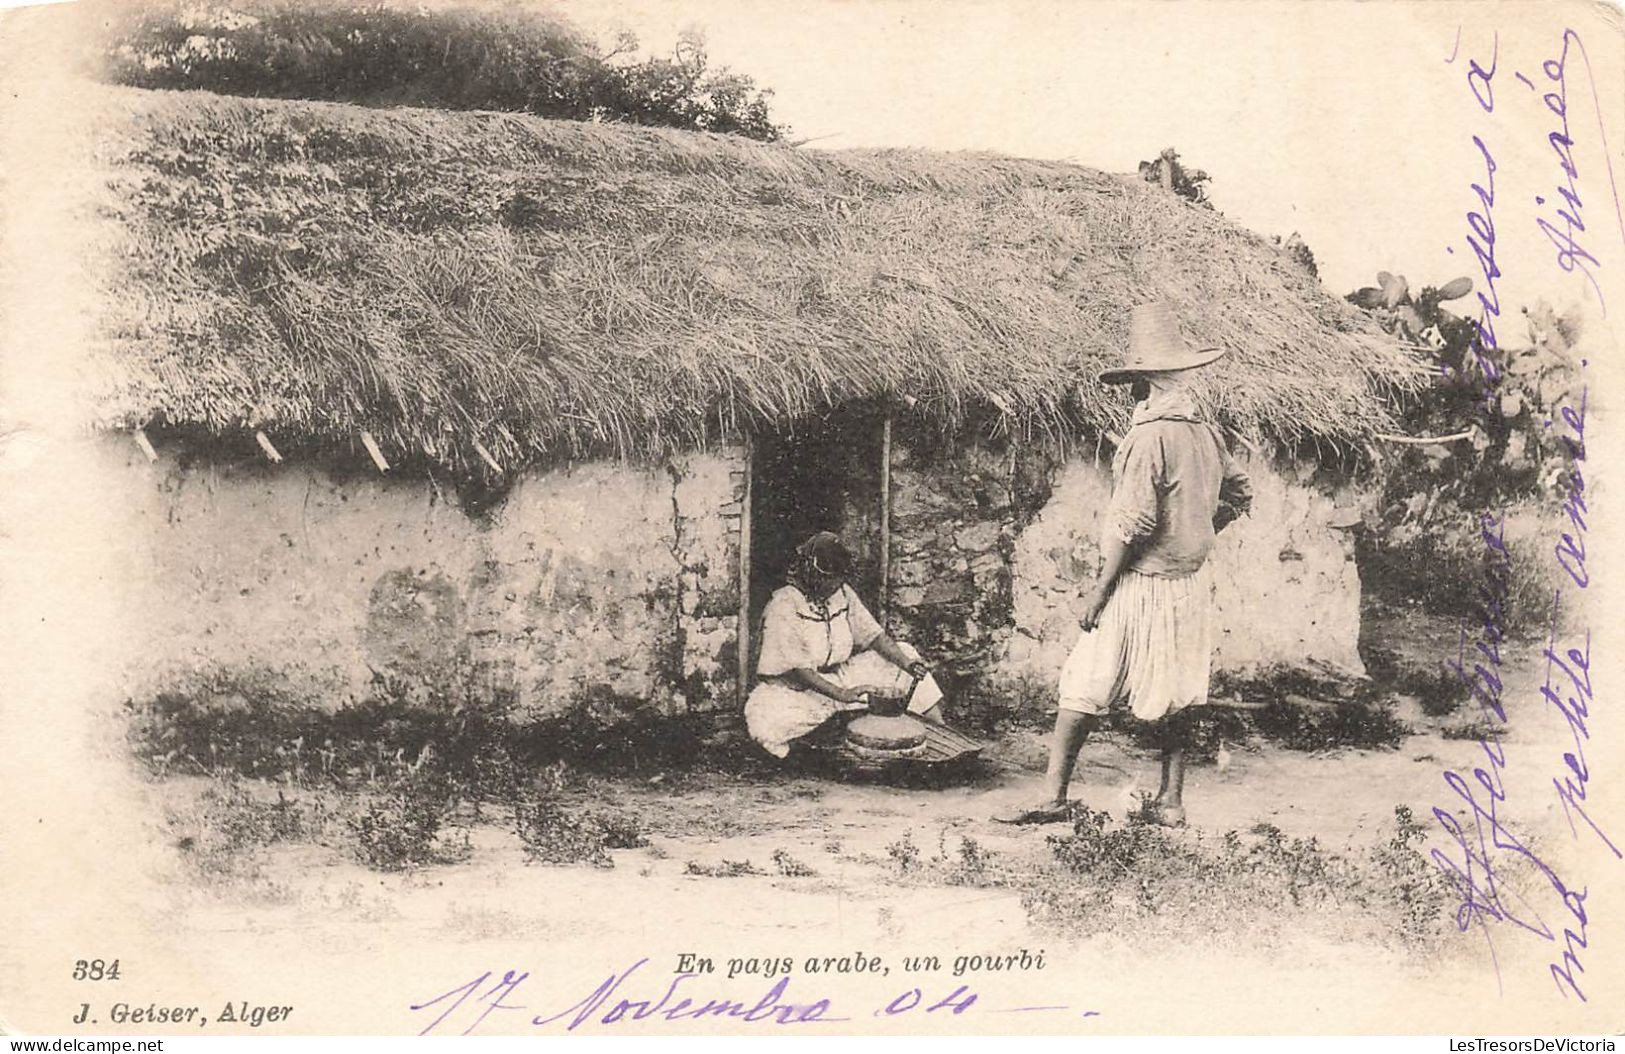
822	558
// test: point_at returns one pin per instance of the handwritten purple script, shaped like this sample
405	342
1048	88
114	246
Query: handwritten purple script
618	1000
1485	842
1565	234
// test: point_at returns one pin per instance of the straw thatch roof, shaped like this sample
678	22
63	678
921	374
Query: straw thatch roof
565	289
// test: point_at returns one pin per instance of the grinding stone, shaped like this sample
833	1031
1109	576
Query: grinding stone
886	733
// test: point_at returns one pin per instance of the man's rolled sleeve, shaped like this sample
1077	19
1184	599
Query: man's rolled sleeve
1132	514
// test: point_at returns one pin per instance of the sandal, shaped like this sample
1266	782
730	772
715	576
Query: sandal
1050	812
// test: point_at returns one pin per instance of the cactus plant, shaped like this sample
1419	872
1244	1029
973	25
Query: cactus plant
1433	492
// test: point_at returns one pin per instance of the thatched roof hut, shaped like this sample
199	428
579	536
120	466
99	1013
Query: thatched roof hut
553	289
680	352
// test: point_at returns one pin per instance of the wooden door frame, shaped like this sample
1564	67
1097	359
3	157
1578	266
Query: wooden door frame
743	636
884	599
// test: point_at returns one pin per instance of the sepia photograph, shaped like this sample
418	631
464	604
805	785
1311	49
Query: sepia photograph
617	517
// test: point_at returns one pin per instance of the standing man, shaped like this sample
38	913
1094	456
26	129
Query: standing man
1148	621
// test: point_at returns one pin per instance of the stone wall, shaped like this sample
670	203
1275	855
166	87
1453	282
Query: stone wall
708	505
600	583
957	509
1287	591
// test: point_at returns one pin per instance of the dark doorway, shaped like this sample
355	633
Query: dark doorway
823	475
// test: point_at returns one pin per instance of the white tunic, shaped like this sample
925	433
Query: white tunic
832	639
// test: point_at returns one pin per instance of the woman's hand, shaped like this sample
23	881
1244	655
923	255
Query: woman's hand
856	697
879	699
846	697
918	670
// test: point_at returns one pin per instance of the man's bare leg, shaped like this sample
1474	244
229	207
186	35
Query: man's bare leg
1172	791
1170	799
1071	730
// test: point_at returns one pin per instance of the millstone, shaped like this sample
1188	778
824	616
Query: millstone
886	733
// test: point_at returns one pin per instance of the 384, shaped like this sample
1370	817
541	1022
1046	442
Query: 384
95	970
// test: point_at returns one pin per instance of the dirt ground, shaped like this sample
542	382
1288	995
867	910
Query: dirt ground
751	866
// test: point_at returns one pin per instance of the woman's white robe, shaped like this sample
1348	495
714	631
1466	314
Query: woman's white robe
832	639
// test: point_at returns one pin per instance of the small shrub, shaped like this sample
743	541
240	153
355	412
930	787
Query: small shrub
1479	729
248	722
1187	182
246	821
1248	885
400	829
224	833
790	867
604	732
621	832
1410	883
553	836
1302	710
1299	867
1439	691
1441	703
449	57
975	863
1145	809
904	853
968	863
1357	723
726	869
1097	850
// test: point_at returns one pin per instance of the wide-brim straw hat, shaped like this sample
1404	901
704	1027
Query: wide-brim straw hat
1157	345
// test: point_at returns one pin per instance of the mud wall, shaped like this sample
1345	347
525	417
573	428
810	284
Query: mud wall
600	585
1286	592
615	587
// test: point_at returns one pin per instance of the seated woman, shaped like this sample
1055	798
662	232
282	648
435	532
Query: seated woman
823	654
